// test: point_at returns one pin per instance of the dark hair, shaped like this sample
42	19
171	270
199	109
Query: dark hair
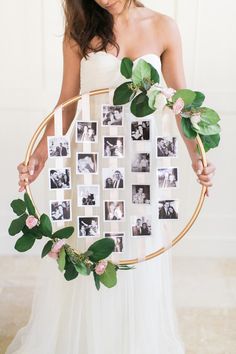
85	19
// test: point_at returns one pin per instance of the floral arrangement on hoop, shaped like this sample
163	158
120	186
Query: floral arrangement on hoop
69	260
146	96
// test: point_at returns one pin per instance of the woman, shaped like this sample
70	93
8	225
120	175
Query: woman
137	316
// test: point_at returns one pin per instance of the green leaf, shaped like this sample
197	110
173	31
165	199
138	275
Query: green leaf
29	205
154	75
199	99
209	116
140	107
62	259
70	271
87	254
141	71
187	128
205	129
109	278
96	280
47	248
66	232
187	95
210	141
101	249
122	94
45	225
82	269
18	206
17	225
24	243
152	98
126	67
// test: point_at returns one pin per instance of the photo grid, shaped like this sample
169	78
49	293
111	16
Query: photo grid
112	178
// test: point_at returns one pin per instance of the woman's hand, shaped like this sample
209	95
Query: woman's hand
205	175
28	174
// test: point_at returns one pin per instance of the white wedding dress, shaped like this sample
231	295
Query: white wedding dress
137	316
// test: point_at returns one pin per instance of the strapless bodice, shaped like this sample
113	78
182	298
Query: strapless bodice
102	70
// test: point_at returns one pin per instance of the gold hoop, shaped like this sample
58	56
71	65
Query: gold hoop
195	213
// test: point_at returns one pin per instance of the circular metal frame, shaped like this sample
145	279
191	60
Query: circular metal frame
199	203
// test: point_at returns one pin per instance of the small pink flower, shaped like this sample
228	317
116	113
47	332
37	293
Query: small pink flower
178	105
168	92
101	267
54	253
31	221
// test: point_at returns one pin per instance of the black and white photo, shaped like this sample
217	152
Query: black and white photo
113	178
141	226
141	162
118	239
60	210
86	163
88	195
140	130
168	209
59	178
166	146
58	146
168	177
114	210
88	226
86	132
113	146
141	194
112	115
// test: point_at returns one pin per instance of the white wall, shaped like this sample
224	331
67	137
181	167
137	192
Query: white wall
31	66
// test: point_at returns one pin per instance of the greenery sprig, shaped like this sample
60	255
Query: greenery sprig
71	262
146	96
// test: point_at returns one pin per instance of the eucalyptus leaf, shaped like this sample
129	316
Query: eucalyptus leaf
126	67
47	248
17	225
199	99
187	128
209	116
205	129
141	71
66	232
24	243
70	271
210	141
187	95
109	277
96	280
61	259
140	107
18	206
154	75
122	94
29	205
81	268
152	98
101	249
45	225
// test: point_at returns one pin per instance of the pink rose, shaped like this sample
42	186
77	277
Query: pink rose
178	105
101	267
168	92
31	221
56	249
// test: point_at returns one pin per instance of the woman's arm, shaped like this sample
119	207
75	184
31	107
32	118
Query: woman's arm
70	88
173	73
